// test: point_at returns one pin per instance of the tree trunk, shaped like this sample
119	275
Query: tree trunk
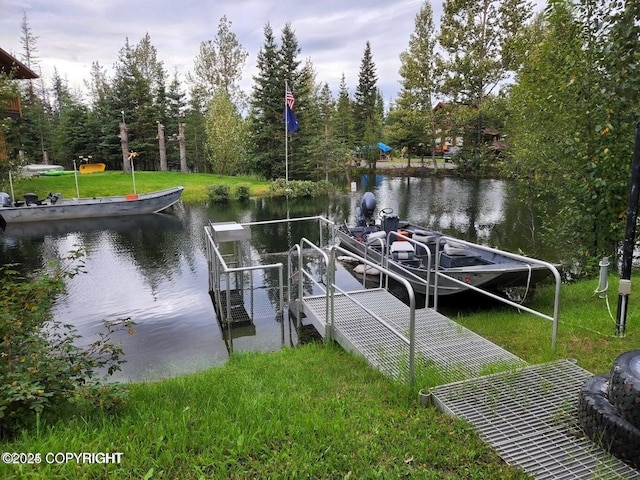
183	150
163	149
124	142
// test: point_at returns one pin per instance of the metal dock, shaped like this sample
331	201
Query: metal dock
527	413
440	343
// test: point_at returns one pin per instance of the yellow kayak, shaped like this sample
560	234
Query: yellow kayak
92	167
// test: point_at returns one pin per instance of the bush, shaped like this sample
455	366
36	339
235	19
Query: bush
40	365
243	192
219	193
298	188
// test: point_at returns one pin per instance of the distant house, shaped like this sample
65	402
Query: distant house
445	134
17	70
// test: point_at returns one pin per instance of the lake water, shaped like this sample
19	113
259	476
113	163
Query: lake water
153	269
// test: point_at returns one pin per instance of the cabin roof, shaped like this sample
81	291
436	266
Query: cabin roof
12	66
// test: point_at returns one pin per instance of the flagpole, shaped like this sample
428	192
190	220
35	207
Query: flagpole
286	138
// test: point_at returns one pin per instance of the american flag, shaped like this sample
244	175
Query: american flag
289	98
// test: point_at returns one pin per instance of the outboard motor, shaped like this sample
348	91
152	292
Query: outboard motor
5	199
364	213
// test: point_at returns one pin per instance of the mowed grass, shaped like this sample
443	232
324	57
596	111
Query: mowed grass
314	411
308	412
586	327
119	183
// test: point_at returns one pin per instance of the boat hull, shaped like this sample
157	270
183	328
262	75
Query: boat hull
494	277
93	207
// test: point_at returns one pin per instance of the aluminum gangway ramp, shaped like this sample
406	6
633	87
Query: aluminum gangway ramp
439	341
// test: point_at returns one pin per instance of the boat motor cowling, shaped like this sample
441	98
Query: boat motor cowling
364	214
5	199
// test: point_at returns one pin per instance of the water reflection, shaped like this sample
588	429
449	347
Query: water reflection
152	268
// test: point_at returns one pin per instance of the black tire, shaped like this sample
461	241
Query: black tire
602	424
624	386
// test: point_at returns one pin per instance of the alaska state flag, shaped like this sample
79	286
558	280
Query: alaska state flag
289	117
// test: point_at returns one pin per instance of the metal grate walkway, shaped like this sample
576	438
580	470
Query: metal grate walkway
528	413
529	417
440	342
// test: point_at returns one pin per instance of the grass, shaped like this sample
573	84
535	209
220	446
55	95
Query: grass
308	412
119	183
586	329
314	411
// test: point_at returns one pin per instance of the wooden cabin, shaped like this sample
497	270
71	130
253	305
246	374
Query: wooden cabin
12	67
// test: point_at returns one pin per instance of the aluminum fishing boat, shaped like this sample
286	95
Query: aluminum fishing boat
404	247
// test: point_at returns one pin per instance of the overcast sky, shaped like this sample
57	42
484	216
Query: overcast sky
71	34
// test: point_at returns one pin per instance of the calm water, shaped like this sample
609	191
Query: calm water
153	268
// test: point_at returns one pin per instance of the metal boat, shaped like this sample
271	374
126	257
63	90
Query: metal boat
53	207
416	252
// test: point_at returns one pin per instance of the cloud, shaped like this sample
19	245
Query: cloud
72	34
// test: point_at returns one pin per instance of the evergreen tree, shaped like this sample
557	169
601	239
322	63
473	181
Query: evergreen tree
365	112
266	114
343	120
176	111
34	129
71	134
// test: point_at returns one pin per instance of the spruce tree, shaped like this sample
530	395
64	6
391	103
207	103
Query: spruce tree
267	107
367	122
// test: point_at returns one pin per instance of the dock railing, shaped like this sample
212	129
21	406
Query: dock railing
332	287
218	270
556	274
384	263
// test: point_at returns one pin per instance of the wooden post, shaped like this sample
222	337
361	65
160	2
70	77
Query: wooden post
124	143
163	149
183	150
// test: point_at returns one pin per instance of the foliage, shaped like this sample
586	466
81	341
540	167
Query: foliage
299	188
219	66
410	123
477	38
41	365
573	115
219	193
226	134
367	120
243	192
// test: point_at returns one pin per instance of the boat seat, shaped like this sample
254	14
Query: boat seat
32	199
402	251
377	238
428	240
455	249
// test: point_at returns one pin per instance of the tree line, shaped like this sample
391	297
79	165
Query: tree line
557	88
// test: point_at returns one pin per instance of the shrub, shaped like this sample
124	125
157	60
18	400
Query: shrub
243	192
219	193
40	365
298	188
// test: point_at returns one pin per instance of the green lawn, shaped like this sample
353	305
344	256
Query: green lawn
314	411
119	183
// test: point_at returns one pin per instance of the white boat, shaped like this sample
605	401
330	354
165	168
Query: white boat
466	262
54	207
